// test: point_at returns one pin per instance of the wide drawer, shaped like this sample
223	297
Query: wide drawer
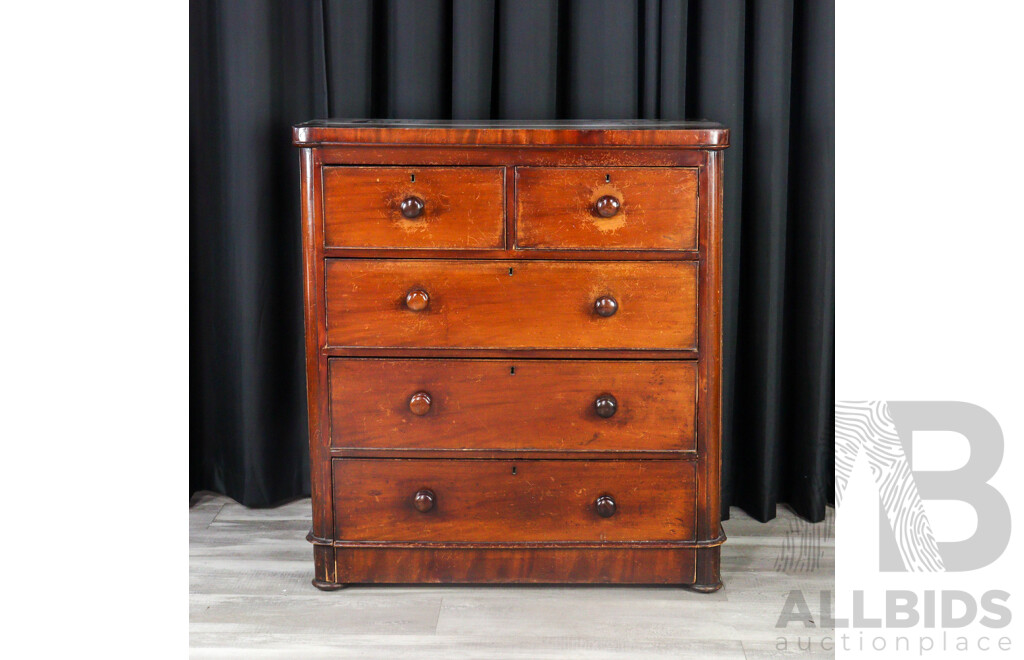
556	405
631	208
414	207
511	304
513	501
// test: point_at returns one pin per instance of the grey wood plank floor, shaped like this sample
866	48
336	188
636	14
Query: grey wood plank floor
250	597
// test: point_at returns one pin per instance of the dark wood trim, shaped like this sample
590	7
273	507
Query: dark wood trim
625	565
710	343
711	543
514	454
317	540
513	253
316	362
635	133
327	586
709	570
512	354
510	210
425	155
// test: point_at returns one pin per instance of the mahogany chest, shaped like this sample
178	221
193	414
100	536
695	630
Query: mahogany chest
513	350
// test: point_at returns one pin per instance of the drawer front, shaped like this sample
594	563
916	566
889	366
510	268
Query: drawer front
557	405
512	304
514	501
414	207
634	208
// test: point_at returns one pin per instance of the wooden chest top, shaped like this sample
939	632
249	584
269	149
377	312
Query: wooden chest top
514	132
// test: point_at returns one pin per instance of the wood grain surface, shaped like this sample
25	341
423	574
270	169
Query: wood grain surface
513	501
513	305
513	404
430	273
463	207
556	208
530	565
627	132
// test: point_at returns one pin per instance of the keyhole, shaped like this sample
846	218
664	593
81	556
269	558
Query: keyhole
510	272
607	178
512	371
412	177
513	469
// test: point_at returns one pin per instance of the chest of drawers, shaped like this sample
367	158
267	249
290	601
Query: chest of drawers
513	340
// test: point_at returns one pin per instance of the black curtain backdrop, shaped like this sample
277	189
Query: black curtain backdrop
764	69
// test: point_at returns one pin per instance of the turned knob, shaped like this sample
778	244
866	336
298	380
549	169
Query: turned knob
605	506
419	403
606	206
424	500
412	207
606	405
417	300
605	306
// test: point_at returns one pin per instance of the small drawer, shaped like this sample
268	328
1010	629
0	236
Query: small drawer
530	501
553	305
553	405
451	208
630	208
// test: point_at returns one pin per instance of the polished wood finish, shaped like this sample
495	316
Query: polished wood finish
556	405
637	208
566	565
488	301
606	406
512	305
414	207
564	133
424	500
606	306
514	501
605	506
417	300
419	403
709	376
607	206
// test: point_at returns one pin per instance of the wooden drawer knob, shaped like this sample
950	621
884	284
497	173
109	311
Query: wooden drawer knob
419	403
412	207
606	206
606	405
425	499
417	300
605	506
605	306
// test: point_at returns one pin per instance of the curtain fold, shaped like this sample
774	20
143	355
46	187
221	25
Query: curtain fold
762	248
764	69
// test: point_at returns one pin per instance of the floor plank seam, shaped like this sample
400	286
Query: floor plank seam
214	519
437	618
